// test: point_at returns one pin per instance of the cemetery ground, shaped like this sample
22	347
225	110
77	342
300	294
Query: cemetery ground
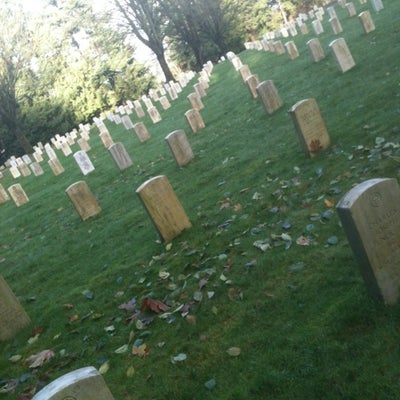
261	297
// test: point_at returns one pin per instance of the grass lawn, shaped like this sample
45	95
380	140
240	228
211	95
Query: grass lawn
300	316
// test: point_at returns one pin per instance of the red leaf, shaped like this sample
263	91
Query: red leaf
156	306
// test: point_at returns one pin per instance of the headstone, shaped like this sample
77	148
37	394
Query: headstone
370	216
180	147
366	21
38	157
120	156
335	25
236	62
66	149
269	96
351	9
14	171
292	50
13	317
310	126
198	88
279	48
106	139
26	159
4	197
331	12
154	114
377	5
195	120
304	29
141	131
25	171
342	55
139	109
56	166
83	200
317	26
163	207
83	144
84	162
18	195
82	384
244	71
127	122
195	101
165	104
36	169
252	83
316	50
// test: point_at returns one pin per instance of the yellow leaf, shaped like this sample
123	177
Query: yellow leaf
104	368
130	372
329	203
234	351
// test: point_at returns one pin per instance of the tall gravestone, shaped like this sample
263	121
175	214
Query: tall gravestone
106	139
120	156
310	126
127	122
84	162
342	55
83	144
195	120
163	207
139	109
82	384
36	169
141	131
83	200
291	49
279	48
366	21
18	195
317	26
336	25
165	104
180	147
269	96
56	166
244	71
252	83
154	114
198	88
316	51
370	216
195	101
14	171
13	317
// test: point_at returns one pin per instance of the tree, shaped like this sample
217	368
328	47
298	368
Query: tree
146	21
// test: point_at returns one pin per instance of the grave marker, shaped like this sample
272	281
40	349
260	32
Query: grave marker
82	384
106	139
336	25
127	122
4	197
14	171
366	21
180	147
316	50
317	26
244	71
36	169
351	9
120	156
252	83
141	131
83	144
342	55
154	114
198	88
195	120
13	317
279	48
163	207
310	126
370	216
195	101
292	50
83	200
377	5
269	96
165	104
56	166
84	162
18	195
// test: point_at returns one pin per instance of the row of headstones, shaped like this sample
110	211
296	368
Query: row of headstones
270	40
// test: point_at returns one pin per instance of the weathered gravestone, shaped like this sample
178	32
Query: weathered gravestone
180	147
195	120
269	96
65	148
120	156
154	114
291	48
18	195
84	162
82	384
252	83
127	122
13	317
165	104
351	9
106	139
279	48
36	169
83	200
316	51
195	101
14	171
25	171
199	89
83	144
163	207
310	126
304	29
139	109
317	26
370	216
331	12
56	166
366	21
244	71
342	55
4	197
336	25
377	5
141	131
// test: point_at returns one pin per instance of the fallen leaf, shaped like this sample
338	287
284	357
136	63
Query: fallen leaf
104	368
130	372
121	350
210	384
303	241
234	351
179	358
141	350
38	359
154	305
130	305
15	358
329	203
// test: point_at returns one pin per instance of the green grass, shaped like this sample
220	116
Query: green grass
301	316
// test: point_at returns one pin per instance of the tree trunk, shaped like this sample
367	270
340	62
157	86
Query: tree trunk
164	67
